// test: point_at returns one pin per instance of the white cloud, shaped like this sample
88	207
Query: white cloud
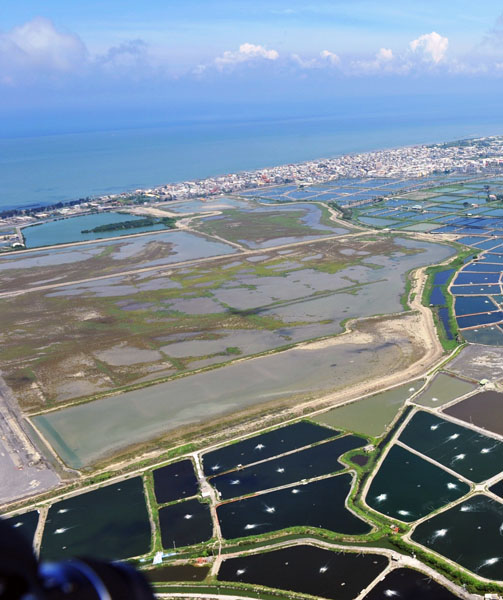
331	57
37	44
384	55
247	52
432	46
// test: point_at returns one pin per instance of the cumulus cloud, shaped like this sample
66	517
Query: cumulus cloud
247	52
432	46
38	45
384	55
331	57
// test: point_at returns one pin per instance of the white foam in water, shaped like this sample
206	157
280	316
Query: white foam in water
280	470
240	571
187	517
251	526
438	534
235	482
295	491
434	399
411	389
467	508
451	486
63	510
501	529
391	593
18	524
403	512
270	509
489	562
259	447
61	530
215	467
454	436
458	457
323	569
434	427
382	497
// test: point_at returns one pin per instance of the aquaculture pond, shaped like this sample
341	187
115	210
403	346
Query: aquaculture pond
469	305
469	534
175	481
64	231
265	445
442	277
372	414
497	488
25	524
443	388
109	523
177	573
437	297
409	585
484	410
444	317
305	464
307	569
406	487
491	335
319	504
471	454
479	320
185	523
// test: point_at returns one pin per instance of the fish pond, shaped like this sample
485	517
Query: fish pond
319	504
443	388
177	573
497	488
25	524
484	410
471	454
308	570
469	534
406	487
370	415
305	464
65	231
409	585
266	445
109	523
174	482
185	523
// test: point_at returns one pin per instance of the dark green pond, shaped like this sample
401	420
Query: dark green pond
177	573
497	489
317	504
185	523
174	482
471	454
406	487
305	464
110	523
264	446
469	534
25	524
308	570
409	585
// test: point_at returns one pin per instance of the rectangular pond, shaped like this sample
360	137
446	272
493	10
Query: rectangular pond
443	388
467	452
319	504
469	534
407	487
185	523
322	459
469	305
25	524
110	523
484	409
175	481
409	585
372	414
307	570
265	445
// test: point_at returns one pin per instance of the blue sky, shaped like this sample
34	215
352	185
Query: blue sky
64	54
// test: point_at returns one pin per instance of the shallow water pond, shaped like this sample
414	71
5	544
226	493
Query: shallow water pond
406	487
306	569
469	534
471	454
443	388
319	504
484	410
109	523
305	464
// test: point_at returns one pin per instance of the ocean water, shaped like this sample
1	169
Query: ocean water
51	168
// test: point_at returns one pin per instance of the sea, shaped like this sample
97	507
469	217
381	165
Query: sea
45	169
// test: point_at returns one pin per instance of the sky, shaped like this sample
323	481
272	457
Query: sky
209	57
